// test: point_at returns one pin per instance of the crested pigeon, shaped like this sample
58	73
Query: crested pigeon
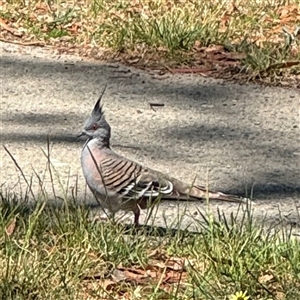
122	184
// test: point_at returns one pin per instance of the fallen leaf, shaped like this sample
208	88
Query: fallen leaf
215	48
287	64
265	278
133	274
9	29
175	277
118	275
175	263
11	227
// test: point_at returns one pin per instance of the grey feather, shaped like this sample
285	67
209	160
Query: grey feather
121	184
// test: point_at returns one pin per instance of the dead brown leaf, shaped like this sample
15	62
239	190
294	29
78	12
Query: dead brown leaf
175	263
9	29
134	274
158	254
287	64
174	277
118	275
215	49
163	272
41	7
266	278
280	295
10	229
289	10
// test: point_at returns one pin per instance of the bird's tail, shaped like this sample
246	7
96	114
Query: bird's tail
182	191
198	192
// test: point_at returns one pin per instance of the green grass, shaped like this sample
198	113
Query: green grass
172	31
57	253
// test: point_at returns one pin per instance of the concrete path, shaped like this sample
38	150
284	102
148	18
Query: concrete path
230	137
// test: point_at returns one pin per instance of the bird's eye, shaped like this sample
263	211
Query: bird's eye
95	126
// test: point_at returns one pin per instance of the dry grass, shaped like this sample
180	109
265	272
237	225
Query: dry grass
51	252
255	37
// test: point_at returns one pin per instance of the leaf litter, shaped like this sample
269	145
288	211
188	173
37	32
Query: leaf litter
72	27
165	273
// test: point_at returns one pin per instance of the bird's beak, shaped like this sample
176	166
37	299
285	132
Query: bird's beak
81	134
85	133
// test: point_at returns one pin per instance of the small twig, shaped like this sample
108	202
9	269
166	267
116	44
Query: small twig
22	173
169	69
34	43
113	66
297	209
75	189
156	104
120	77
49	166
40	183
160	76
152	105
123	71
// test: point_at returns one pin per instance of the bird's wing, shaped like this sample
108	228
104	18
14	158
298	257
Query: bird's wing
130	180
147	185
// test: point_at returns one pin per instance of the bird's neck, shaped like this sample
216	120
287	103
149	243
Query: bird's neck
103	142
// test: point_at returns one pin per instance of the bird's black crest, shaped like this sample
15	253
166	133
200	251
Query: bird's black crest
98	106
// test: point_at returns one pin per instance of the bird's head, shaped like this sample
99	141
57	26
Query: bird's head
96	126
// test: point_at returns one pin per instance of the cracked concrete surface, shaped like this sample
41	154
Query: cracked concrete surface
231	137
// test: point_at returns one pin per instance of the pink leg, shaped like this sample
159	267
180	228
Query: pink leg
136	218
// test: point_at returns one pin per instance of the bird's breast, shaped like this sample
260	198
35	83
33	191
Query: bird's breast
90	162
